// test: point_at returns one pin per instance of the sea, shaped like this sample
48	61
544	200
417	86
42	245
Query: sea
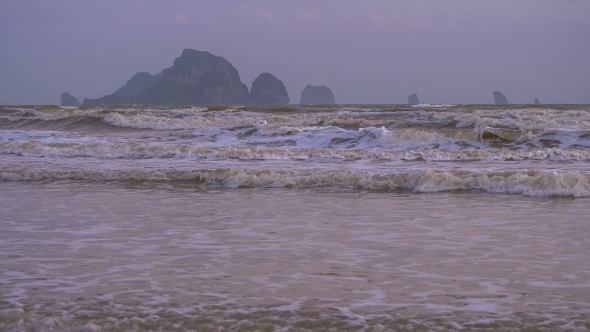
433	217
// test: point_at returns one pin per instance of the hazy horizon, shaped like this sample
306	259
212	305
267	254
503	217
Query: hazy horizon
369	52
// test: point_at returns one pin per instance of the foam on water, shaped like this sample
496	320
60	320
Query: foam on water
128	218
530	183
426	105
369	148
51	145
520	119
173	258
155	118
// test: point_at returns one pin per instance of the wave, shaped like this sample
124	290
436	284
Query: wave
291	317
435	116
426	105
521	119
336	128
260	142
530	183
182	119
430	138
139	150
423	138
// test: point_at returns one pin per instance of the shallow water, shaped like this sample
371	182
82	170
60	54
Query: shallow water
123	255
355	218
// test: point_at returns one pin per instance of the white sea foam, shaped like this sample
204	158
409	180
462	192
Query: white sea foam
144	263
363	144
191	118
141	150
518	119
426	105
561	184
230	119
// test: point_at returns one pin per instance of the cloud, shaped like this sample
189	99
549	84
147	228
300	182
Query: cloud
263	15
308	15
409	23
374	17
396	20
180	18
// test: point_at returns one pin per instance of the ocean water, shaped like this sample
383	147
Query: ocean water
343	218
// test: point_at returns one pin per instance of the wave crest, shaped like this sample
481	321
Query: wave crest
137	150
531	183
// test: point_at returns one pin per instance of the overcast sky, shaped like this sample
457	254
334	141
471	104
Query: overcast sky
446	51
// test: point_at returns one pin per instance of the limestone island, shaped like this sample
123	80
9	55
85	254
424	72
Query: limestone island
69	100
268	90
499	98
317	95
413	100
196	78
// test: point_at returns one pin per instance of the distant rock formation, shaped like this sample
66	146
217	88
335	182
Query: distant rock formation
413	100
195	78
317	95
128	93
537	101
136	85
268	90
499	98
69	100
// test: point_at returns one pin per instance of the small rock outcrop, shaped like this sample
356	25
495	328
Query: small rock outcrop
537	101
413	100
499	98
268	90
69	100
195	78
317	95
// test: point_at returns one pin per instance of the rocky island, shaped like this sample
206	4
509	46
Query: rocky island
195	78
69	100
317	95
537	101
499	98
268	90
413	100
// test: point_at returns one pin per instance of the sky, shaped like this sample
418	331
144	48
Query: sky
367	52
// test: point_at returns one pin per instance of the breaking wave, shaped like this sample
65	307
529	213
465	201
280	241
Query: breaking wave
139	150
116	317
360	142
261	134
193	118
530	183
